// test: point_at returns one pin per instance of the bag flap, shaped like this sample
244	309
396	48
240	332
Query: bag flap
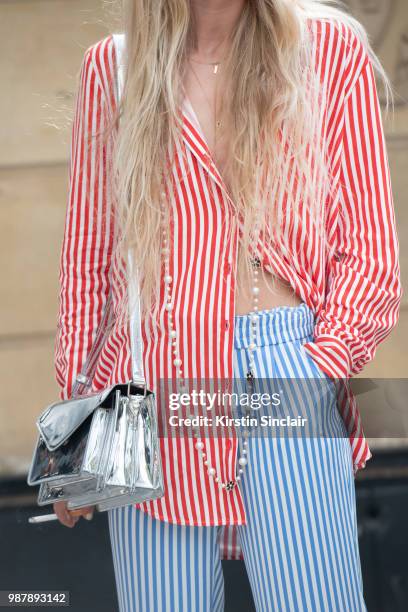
59	420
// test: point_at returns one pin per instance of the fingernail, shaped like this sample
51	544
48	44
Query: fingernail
89	516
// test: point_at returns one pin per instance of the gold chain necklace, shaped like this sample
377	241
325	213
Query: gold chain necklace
215	64
217	123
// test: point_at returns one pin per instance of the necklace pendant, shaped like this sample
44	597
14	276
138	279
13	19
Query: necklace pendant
230	485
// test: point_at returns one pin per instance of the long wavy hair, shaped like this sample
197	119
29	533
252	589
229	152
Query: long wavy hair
273	105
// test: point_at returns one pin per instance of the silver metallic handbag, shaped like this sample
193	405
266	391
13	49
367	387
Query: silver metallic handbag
101	448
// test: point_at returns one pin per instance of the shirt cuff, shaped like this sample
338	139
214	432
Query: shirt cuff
331	355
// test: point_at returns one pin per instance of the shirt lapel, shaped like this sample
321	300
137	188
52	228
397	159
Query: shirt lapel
194	139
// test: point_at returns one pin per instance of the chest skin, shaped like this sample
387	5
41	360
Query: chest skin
203	103
202	87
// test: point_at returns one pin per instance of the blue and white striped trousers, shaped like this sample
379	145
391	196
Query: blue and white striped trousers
300	543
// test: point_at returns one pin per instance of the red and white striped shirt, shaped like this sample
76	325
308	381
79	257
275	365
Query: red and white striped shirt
355	296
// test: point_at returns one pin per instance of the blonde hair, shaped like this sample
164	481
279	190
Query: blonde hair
274	124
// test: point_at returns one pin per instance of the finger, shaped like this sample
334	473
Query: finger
59	511
86	512
67	519
64	515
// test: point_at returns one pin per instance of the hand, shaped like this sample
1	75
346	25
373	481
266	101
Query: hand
69	518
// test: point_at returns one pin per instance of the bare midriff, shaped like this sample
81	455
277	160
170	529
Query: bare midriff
281	293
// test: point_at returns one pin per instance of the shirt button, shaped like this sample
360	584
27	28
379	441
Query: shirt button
228	444
226	324
228	268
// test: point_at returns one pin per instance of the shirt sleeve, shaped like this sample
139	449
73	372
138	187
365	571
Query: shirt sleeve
85	257
364	294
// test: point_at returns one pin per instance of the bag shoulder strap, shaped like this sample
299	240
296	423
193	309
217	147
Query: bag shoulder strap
138	376
119	43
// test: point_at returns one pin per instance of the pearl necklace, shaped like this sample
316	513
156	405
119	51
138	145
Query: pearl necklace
254	321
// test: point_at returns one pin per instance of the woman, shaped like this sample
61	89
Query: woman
252	187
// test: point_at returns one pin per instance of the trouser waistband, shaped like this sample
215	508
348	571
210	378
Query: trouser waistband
275	325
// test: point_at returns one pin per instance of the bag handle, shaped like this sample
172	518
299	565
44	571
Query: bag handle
84	380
